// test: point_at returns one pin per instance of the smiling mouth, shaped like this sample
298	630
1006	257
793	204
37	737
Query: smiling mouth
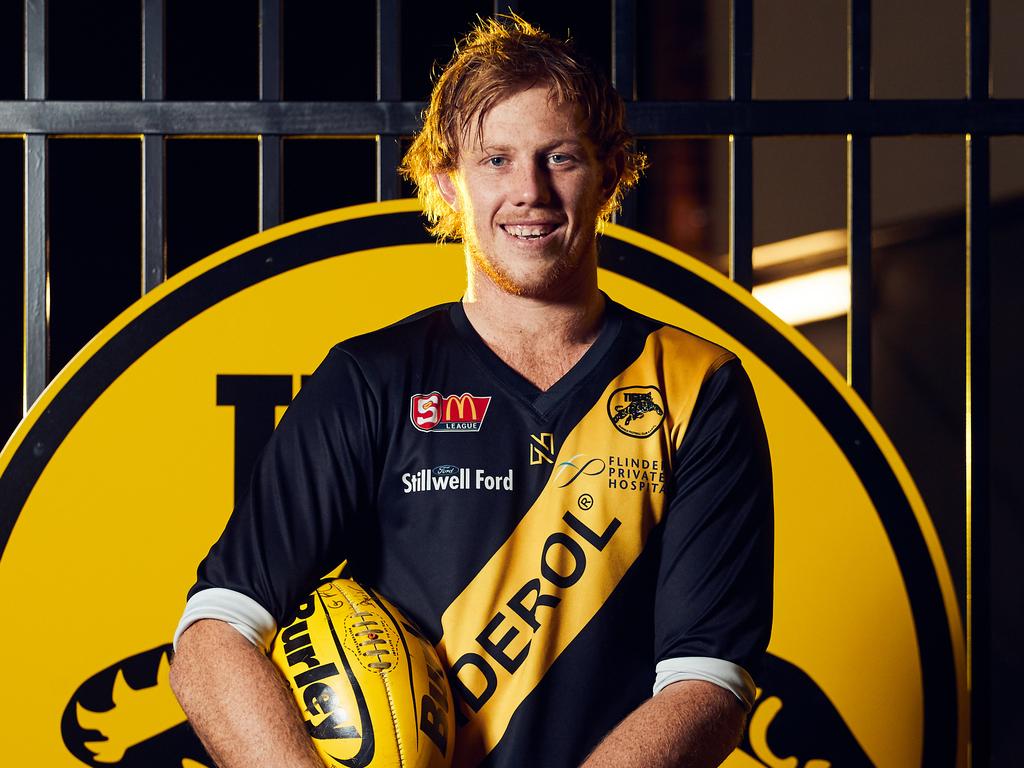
529	231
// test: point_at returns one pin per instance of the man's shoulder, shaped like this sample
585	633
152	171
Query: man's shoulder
401	338
377	357
672	343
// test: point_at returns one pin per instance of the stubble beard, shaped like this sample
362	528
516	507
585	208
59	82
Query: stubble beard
540	283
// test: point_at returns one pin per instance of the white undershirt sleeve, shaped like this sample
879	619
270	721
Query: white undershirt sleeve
722	673
243	613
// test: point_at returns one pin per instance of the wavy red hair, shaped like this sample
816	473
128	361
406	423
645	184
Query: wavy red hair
496	59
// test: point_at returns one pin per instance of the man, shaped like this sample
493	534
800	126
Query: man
617	528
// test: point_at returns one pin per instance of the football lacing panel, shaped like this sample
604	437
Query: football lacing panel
371	637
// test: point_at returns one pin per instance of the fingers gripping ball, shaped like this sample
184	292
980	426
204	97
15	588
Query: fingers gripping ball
369	686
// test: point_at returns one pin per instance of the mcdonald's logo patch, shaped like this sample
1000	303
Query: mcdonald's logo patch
435	412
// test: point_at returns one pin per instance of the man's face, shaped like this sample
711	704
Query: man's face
529	187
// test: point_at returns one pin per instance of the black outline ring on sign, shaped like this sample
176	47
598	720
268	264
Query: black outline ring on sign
585	502
74	392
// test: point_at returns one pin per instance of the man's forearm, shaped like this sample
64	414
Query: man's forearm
237	702
690	723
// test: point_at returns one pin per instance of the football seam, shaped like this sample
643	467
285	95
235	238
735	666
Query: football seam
391	700
394	721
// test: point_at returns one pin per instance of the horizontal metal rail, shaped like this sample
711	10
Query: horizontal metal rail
651	119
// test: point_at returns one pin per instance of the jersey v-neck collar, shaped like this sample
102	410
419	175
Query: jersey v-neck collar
543	402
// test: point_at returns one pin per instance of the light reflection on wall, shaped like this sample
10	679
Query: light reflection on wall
807	298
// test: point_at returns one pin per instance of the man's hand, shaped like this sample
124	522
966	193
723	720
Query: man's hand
690	723
237	701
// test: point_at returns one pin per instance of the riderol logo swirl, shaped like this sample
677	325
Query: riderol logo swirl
636	411
435	412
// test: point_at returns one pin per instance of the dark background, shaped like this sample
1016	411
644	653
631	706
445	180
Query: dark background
329	51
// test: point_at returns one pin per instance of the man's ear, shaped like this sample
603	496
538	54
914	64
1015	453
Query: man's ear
614	166
446	186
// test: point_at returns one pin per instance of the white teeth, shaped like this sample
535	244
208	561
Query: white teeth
528	231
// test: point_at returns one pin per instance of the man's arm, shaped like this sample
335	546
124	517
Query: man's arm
287	531
690	723
714	594
237	701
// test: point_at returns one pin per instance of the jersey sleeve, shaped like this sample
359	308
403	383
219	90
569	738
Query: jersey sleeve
316	473
714	593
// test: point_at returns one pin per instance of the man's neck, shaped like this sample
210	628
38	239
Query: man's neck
540	337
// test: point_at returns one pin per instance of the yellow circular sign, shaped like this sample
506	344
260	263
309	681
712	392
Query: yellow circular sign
124	472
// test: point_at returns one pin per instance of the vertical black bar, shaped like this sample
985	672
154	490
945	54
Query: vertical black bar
624	78
624	48
270	90
978	47
741	49
37	313
389	69
154	253
858	40
270	181
741	211
35	49
979	527
858	204
978	407
153	50
36	370
154	256
741	160
858	258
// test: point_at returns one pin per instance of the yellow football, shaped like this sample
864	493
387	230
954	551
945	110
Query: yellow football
370	687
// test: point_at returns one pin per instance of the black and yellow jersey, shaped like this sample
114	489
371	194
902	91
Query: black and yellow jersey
555	545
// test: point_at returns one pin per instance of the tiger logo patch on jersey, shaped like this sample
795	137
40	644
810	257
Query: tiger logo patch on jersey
637	411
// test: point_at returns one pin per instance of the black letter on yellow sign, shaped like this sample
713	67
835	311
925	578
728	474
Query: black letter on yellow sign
254	399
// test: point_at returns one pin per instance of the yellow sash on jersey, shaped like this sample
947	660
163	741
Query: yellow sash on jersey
568	553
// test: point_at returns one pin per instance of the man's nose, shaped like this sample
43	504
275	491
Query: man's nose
533	185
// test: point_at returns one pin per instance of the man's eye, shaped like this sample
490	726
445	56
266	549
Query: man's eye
496	162
559	159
